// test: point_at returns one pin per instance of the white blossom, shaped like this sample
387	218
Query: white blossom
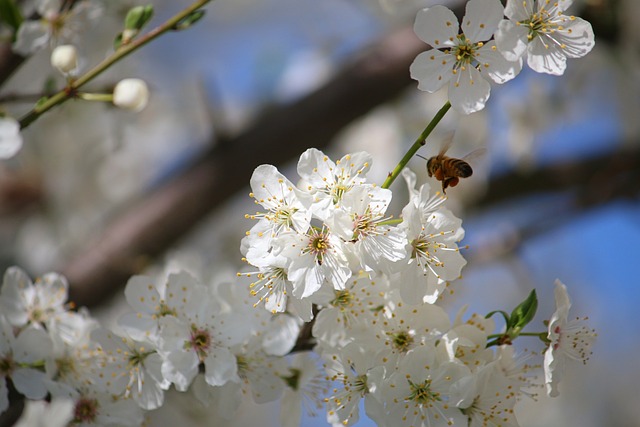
433	256
418	393
327	181
465	60
359	220
131	369
360	378
486	398
316	258
539	31
306	387
286	210
24	302
55	24
569	339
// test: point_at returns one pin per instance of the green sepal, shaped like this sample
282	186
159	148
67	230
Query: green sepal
117	42
189	20
138	17
10	14
524	312
41	101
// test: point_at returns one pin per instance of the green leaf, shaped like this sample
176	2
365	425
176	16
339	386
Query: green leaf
138	17
10	14
189	20
524	312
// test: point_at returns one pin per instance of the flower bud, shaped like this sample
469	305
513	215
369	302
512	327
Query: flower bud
65	58
131	94
10	138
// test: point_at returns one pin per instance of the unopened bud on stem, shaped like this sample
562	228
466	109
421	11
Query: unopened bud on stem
65	58
131	94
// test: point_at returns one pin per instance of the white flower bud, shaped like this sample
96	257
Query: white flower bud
131	94
10	138
65	58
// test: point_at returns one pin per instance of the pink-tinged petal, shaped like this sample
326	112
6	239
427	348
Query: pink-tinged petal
468	91
481	19
511	40
432	70
495	66
575	37
437	26
543	59
519	10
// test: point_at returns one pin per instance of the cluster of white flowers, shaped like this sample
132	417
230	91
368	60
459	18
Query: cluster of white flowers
491	48
335	272
327	253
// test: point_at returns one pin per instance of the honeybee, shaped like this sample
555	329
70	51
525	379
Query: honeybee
449	170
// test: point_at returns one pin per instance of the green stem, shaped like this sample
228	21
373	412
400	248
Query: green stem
422	139
71	90
104	97
391	221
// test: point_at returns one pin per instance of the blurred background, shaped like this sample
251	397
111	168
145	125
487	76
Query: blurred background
100	194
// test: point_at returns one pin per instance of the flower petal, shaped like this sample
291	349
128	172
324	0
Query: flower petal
575	37
511	40
437	26
220	367
468	92
495	66
432	70
481	19
518	10
546	58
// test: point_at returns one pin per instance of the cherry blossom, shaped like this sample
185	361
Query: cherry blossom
539	31
465	61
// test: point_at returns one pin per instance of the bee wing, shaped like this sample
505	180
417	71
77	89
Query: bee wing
446	144
475	154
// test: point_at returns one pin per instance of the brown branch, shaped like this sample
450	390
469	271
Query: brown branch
597	179
9	62
160	219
